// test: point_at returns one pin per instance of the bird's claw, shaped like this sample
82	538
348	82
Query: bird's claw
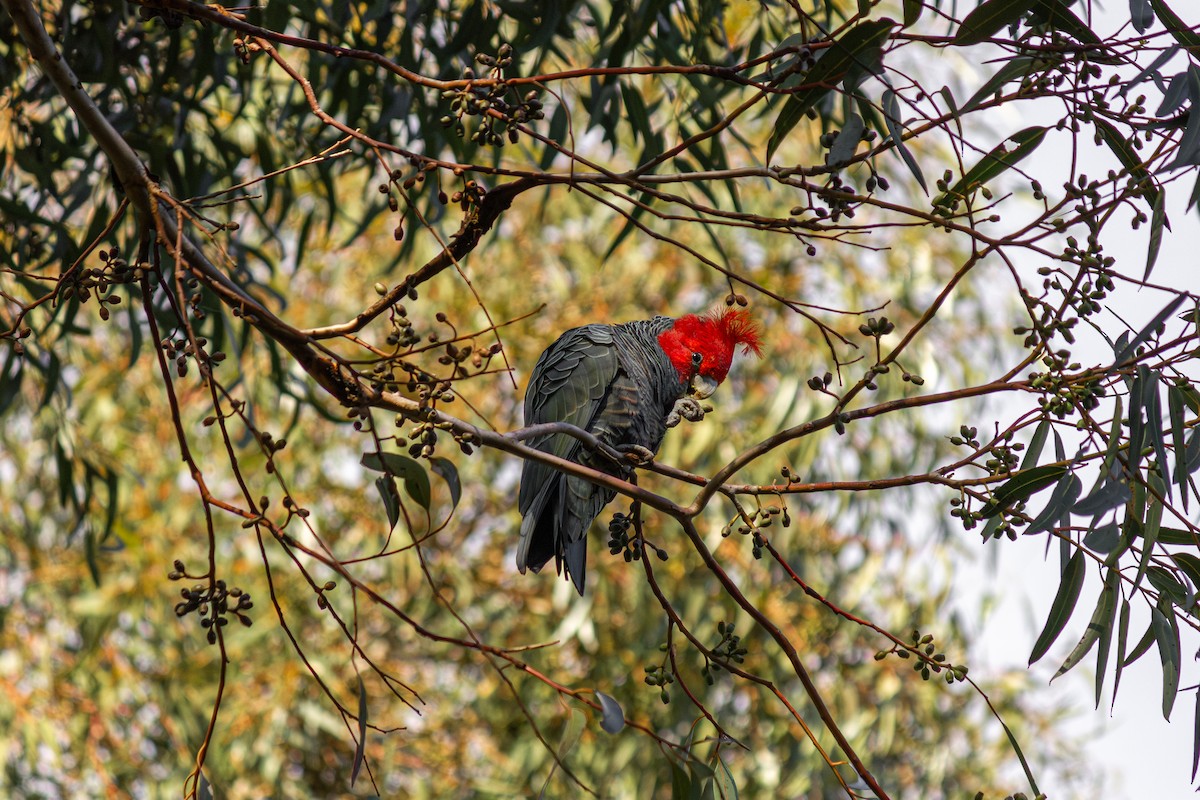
636	454
688	408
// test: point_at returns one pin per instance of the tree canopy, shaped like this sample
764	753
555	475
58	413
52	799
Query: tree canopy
272	281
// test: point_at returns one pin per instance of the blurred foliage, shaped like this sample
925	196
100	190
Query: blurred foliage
377	608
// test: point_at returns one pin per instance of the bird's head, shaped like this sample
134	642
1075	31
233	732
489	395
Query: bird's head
701	347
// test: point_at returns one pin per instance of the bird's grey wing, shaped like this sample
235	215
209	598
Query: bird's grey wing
569	384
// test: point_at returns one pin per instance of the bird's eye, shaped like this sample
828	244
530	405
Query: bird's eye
696	359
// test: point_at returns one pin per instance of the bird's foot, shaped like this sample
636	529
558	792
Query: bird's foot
688	408
636	454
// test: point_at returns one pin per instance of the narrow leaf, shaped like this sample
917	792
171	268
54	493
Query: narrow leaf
386	486
1148	331
446	470
988	19
1034	451
1177	536
1111	580
861	46
891	113
1178	432
1024	485
416	479
1196	737
1001	158
360	747
1062	607
1122	641
1166	633
726	786
1150	528
1017	67
1142	647
1100	623
1129	159
1158	222
1061	500
847	141
1154	427
1104	539
1177	27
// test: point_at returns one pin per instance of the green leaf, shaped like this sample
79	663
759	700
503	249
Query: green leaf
1152	402
1178	444
1148	331
1122	641
891	113
726	786
1103	539
1177	536
912	12
446	470
360	748
988	19
1142	647
1061	500
1183	34
1158	222
1023	485
1017	67
1099	625
1060	17
1168	585
1129	159
1112	580
613	718
1064	604
996	162
681	784
861	46
416	479
1190	564
1150	528
386	486
847	141
1166	633
1034	451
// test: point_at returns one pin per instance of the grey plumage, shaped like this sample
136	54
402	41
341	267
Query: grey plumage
614	381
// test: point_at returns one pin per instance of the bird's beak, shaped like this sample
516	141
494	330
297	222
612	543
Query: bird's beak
703	387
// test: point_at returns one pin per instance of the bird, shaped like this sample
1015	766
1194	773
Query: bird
625	384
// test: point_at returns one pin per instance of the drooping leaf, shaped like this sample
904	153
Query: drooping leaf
1129	159
1150	528
1158	222
1017	67
860	46
1000	159
988	19
726	786
1178	432
416	479
1104	618
361	744
1103	539
1188	38
1122	641
1177	536
1166	634
1034	451
1061	500
1058	15
847	141
1061	609
1141	15
386	486
446	470
1100	624
1022	486
891	113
